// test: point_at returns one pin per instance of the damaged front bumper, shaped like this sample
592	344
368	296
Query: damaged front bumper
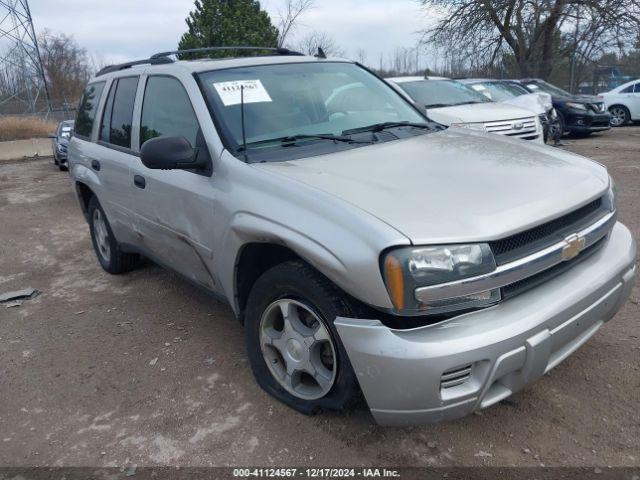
448	370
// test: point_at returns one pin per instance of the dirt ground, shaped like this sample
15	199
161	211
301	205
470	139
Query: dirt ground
141	369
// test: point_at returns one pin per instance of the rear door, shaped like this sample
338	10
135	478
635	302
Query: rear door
113	166
174	208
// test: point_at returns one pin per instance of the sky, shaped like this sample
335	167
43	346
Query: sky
121	30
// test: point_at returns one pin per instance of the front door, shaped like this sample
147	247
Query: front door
174	208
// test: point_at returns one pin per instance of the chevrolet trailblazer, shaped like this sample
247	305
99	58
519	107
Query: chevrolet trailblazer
367	251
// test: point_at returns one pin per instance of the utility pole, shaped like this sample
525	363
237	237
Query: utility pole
23	85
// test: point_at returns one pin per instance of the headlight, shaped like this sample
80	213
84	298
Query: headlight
610	198
471	126
576	106
407	269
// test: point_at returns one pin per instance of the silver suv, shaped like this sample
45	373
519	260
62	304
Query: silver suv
367	251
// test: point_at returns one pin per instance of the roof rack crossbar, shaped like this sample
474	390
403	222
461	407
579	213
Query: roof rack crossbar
277	51
122	66
163	57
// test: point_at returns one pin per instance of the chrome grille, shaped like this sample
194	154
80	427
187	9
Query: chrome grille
522	286
519	127
524	243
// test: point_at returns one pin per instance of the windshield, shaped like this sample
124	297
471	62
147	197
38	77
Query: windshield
498	91
547	87
441	93
298	99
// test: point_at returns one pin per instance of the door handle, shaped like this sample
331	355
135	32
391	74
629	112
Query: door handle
139	181
95	164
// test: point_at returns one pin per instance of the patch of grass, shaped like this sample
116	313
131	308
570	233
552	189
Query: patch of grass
21	128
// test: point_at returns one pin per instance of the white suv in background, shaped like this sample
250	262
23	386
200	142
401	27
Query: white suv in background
623	103
457	105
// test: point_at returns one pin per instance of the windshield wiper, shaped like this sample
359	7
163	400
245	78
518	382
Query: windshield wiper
379	127
437	105
471	102
292	139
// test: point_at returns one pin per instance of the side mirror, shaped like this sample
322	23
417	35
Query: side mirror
170	153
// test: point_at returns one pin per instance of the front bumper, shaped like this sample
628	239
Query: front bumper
588	123
446	371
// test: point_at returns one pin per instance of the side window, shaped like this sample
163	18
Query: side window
637	88
88	108
629	89
118	112
167	111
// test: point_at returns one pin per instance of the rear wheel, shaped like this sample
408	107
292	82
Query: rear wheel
619	115
111	258
293	346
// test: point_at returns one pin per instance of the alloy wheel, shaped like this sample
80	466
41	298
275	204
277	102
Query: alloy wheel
618	116
298	349
101	235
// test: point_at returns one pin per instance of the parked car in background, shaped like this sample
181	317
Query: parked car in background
514	94
457	105
580	115
623	103
362	247
60	143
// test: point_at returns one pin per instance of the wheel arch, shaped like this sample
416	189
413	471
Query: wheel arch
252	261
84	193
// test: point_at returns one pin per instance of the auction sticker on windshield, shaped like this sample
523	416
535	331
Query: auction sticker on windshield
231	92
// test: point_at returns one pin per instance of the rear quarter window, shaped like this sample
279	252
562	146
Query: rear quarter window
87	109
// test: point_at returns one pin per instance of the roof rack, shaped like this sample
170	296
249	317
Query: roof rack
122	66
272	50
163	57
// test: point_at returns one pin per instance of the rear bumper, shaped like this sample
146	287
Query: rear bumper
446	371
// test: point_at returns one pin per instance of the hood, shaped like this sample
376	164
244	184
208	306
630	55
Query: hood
453	186
531	102
578	99
587	98
477	113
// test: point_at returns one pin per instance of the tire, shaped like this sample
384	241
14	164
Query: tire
63	168
111	258
317	302
620	115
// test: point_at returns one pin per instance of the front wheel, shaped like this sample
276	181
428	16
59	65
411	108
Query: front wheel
293	346
619	115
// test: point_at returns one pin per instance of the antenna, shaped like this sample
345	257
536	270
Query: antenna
23	86
244	133
321	53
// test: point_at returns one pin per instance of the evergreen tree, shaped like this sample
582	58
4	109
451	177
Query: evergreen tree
220	23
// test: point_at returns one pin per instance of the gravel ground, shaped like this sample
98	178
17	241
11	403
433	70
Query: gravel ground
141	369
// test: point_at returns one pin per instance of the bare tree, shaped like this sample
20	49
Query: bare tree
361	56
532	33
290	16
66	66
314	40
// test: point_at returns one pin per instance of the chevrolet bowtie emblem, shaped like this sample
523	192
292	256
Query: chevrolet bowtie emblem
574	246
